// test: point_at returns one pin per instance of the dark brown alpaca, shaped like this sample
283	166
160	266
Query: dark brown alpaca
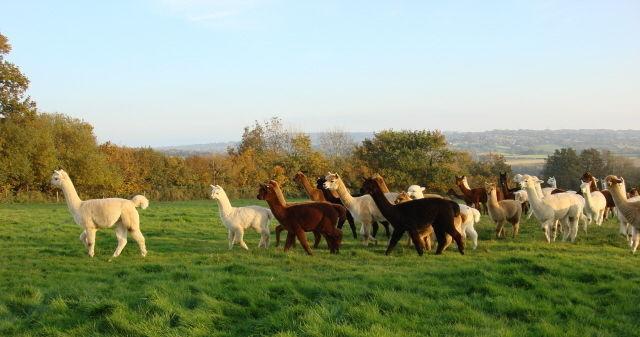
477	196
313	193
632	193
415	216
320	217
588	177
507	192
452	193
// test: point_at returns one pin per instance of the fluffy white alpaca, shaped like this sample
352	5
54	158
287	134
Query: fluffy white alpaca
238	219
595	204
626	229
417	192
563	207
96	214
363	208
552	186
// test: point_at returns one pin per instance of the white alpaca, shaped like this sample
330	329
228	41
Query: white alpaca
417	192
595	204
238	219
363	208
553	185
630	233
563	207
96	214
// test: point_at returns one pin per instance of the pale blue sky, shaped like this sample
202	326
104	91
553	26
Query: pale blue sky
169	72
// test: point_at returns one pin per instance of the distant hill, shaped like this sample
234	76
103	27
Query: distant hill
513	142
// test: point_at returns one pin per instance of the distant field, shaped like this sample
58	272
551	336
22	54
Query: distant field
190	284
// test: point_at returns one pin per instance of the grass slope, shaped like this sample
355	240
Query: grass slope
190	284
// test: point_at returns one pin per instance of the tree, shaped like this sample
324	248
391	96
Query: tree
565	165
409	157
13	85
337	143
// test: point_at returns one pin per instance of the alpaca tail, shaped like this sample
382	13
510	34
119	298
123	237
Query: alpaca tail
476	215
140	201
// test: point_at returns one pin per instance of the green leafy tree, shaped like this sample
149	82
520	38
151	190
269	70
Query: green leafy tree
565	165
404	158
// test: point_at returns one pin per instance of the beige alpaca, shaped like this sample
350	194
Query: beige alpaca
96	214
503	211
629	209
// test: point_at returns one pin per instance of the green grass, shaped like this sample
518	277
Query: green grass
190	284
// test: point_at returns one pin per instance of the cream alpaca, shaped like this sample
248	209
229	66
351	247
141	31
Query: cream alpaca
363	208
238	219
563	207
503	211
96	214
595	204
630	210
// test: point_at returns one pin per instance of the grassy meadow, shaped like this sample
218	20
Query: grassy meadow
190	284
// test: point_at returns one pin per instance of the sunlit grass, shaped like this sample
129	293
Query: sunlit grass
190	284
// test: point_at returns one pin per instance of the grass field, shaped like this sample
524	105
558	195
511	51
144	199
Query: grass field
190	284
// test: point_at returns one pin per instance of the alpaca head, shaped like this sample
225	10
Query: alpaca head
517	178
633	193
298	177
528	181
265	191
416	191
587	176
490	187
613	181
216	192
460	179
503	177
371	185
585	187
331	181
551	181
402	197
58	177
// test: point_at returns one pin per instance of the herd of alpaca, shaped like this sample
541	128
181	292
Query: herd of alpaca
419	214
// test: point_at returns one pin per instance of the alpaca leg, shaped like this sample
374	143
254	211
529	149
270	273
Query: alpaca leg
451	230
574	228
635	239
395	237
317	237
240	237
231	238
374	229
471	232
91	241
279	229
529	213
137	235
302	237
499	226
83	239
291	237
264	240
386	228
121	235
516	229
417	241
547	230
352	224
442	240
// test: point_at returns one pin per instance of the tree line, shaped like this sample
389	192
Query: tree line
33	144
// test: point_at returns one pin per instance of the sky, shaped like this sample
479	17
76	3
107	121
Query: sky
171	72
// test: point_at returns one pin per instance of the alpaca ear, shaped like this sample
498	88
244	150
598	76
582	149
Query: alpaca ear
212	186
424	189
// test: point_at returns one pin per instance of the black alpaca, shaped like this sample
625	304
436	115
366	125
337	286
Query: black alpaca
415	215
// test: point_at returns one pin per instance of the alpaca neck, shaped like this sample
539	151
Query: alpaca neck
385	207
534	198
587	196
383	186
493	199
307	186
594	186
553	184
71	196
344	194
620	199
277	204
464	187
224	205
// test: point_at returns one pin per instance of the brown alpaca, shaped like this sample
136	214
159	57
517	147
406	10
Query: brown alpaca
279	228
416	215
503	211
588	177
477	196
313	193
297	219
